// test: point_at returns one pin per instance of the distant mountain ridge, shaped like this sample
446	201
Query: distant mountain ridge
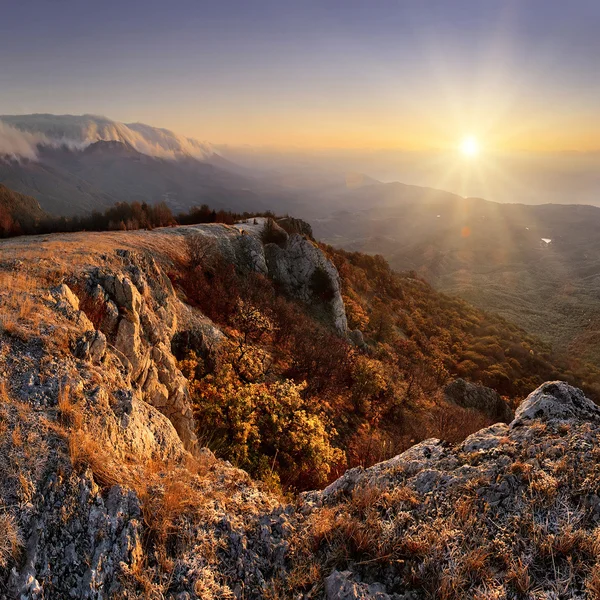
77	164
80	131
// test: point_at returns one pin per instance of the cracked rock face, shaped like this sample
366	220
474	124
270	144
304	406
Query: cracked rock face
81	555
293	266
139	320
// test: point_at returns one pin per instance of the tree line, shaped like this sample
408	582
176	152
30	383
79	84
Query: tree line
123	216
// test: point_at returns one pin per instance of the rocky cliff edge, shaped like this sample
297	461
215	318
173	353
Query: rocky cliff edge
104	492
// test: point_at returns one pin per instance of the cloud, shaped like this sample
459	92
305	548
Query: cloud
19	144
20	135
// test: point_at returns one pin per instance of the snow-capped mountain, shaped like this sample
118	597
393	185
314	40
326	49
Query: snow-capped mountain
20	136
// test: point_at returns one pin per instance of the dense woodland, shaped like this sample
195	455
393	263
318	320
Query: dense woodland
295	404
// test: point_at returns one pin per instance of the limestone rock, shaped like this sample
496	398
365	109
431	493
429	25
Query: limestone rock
300	267
63	293
556	400
83	559
479	397
91	346
123	292
525	483
140	326
341	586
68	304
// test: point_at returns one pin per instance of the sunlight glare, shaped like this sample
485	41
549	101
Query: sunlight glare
469	146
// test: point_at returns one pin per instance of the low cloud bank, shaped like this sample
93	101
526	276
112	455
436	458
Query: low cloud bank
18	144
20	136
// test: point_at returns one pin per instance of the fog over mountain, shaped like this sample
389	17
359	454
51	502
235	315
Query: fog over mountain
18	144
21	134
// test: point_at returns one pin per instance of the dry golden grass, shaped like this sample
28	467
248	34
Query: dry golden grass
544	487
592	584
518	576
85	451
171	494
521	468
10	539
17	282
69	414
19	316
17	438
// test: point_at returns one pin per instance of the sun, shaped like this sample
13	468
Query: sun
469	146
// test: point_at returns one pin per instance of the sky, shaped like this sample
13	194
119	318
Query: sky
521	76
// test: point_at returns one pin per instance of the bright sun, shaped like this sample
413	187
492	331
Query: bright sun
469	146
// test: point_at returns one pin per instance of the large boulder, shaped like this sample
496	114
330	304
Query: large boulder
479	397
304	272
556	401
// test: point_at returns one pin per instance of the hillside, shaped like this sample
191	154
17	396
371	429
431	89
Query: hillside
73	181
142	369
18	213
512	512
76	164
493	255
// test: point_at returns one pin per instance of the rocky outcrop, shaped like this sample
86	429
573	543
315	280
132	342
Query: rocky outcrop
479	397
293	225
238	246
91	462
136	310
84	555
511	494
304	272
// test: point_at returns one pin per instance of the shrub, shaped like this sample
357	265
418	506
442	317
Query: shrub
266	428
201	251
273	233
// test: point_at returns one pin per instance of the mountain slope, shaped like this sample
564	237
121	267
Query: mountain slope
71	181
493	255
509	513
124	353
18	213
80	131
73	165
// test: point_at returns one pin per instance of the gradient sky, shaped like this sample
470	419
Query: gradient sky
419	74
